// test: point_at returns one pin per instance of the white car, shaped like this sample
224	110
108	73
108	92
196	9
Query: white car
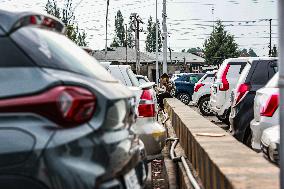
266	111
270	141
201	95
149	130
225	81
142	79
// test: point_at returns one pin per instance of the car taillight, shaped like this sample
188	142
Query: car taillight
65	105
241	92
146	106
270	106
225	84
198	86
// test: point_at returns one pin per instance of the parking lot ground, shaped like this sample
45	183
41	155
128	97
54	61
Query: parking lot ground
213	119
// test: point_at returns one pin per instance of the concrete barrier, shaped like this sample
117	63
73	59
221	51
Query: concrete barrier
221	162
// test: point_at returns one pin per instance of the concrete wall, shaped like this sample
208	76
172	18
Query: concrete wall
221	162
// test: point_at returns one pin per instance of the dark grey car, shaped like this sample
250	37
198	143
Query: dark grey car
64	121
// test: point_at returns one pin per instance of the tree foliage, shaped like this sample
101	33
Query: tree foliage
274	51
220	45
151	36
130	34
119	38
66	15
252	53
248	53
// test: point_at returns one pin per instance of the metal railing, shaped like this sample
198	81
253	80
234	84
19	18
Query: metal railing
182	159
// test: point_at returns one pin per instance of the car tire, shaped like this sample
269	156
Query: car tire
248	139
225	118
184	98
203	106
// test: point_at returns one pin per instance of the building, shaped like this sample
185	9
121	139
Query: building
178	62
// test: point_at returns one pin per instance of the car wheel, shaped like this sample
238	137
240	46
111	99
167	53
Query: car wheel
184	98
204	107
248	140
225	118
221	118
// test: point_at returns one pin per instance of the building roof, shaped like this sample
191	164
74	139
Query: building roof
178	57
118	54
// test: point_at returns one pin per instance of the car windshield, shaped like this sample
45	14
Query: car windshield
52	50
142	80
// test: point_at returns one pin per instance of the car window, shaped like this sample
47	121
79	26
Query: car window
133	78
116	73
260	74
193	79
52	50
12	56
142	80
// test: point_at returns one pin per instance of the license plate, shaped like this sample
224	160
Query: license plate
131	180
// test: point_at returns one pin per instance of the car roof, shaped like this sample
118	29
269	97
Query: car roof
8	18
252	59
240	59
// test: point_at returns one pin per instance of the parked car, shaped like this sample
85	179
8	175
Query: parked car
256	74
65	121
270	142
201	95
149	130
183	86
225	81
266	111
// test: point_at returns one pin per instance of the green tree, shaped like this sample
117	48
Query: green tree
220	45
130	34
119	39
151	36
66	15
252	53
194	50
274	52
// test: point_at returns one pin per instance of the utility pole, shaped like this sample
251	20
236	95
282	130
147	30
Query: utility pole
137	21
106	30
270	38
170	49
126	42
165	35
157	51
281	86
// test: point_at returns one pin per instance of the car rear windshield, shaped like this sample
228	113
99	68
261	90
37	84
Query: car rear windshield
52	50
133	78
273	83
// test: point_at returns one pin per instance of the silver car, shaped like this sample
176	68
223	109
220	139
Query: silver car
266	111
149	130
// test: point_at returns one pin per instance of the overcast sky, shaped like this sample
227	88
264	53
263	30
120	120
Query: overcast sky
189	21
